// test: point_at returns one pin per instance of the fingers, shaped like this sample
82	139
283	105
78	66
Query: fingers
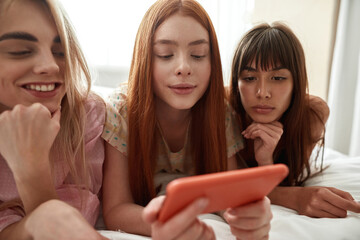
187	216
272	130
324	209
151	211
182	225
56	115
261	233
327	202
344	200
253	210
197	230
251	221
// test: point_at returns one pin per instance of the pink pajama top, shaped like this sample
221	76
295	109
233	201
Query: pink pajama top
67	190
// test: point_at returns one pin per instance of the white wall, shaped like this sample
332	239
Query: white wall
314	23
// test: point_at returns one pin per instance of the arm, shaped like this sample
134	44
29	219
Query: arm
319	114
315	201
119	209
26	137
51	220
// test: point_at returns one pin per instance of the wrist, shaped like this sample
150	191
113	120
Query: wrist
286	197
266	162
31	169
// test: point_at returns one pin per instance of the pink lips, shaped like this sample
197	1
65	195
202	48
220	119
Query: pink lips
263	109
182	88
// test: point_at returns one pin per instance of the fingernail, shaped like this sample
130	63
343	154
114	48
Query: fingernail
202	203
231	211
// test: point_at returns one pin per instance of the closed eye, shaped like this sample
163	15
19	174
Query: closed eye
198	56
278	78
58	54
20	53
165	56
248	79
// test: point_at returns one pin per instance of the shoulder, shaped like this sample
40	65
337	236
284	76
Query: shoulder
234	139
95	116
116	103
318	108
116	123
95	109
318	115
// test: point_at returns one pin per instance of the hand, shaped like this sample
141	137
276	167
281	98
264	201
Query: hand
184	225
266	137
56	220
251	221
26	136
325	202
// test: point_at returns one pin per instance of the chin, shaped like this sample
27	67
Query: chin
263	119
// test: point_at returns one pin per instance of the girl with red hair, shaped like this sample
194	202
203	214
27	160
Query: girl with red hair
171	122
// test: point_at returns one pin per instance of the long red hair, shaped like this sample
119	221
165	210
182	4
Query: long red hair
207	130
269	45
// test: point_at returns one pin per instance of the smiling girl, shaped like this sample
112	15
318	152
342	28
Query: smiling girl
50	126
171	123
281	122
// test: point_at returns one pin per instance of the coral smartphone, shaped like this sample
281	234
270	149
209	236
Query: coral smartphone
223	189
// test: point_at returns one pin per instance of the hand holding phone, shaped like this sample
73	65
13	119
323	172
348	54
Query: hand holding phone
223	189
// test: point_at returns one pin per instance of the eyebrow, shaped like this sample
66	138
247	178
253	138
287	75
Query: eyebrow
250	69
171	42
24	36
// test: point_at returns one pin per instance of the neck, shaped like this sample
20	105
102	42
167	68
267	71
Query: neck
173	124
169	116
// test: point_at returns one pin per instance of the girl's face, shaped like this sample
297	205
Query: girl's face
265	95
182	62
31	58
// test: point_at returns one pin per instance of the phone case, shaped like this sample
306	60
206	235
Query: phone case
223	189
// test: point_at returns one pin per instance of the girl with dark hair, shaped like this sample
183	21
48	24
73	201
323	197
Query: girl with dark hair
281	122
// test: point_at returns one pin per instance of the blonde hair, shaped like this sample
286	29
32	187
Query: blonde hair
69	143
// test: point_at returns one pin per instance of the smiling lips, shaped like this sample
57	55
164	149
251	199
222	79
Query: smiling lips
41	87
182	89
42	90
263	109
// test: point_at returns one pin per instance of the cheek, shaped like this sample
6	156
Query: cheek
12	72
286	93
160	71
244	94
205	76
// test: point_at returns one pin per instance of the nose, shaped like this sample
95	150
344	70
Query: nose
263	89
46	64
183	66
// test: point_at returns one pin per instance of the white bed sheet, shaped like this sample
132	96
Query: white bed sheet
343	173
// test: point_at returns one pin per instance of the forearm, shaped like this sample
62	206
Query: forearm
285	196
128	218
16	231
35	186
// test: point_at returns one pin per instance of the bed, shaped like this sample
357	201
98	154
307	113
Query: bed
343	172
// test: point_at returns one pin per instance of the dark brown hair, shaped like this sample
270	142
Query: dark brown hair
271	45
